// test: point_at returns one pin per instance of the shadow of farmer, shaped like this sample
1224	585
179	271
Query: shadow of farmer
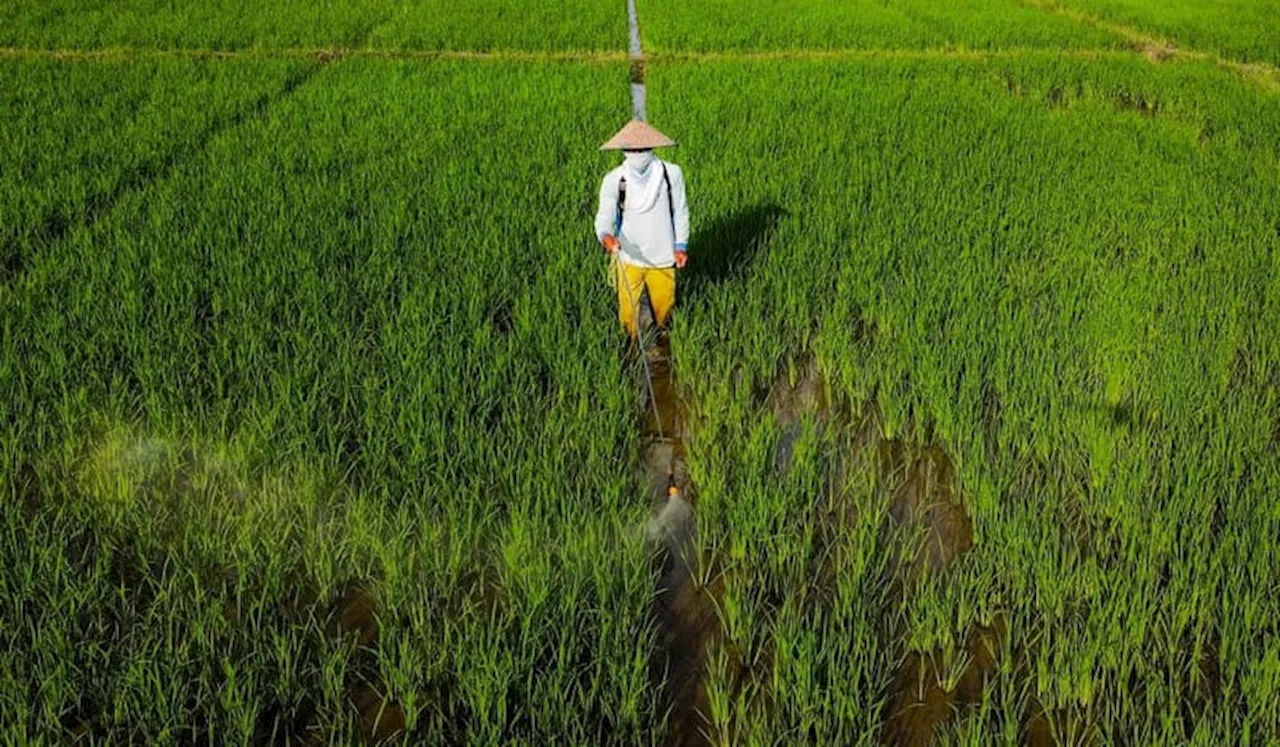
723	250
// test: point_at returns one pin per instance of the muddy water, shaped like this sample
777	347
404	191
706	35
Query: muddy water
918	702
925	498
684	608
919	483
925	503
381	719
919	480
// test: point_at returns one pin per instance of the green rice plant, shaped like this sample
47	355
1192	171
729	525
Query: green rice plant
305	364
220	25
319	416
498	25
74	137
793	25
1243	30
226	25
1057	269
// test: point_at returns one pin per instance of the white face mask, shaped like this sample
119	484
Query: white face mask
639	162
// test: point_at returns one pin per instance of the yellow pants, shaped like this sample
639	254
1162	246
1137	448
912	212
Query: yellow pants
661	282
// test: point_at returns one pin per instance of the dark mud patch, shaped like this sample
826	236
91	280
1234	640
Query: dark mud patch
1052	727
1205	688
354	613
924	497
289	723
381	718
14	262
685	607
926	527
662	458
501	317
28	489
797	392
918	477
351	616
686	611
923	696
82	725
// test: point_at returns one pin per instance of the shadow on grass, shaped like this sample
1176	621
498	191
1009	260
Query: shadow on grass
722	251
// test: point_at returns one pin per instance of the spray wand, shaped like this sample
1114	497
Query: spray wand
673	490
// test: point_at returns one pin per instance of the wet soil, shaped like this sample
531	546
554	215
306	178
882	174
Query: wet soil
919	700
925	498
920	478
353	615
1050	728
663	455
919	482
684	607
686	613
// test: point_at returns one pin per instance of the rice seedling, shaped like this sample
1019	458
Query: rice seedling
477	25
419	434
318	428
77	137
1009	231
755	25
219	25
495	25
1244	30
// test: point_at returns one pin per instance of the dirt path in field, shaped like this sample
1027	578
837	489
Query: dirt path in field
635	55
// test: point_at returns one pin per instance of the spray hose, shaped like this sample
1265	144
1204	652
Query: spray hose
618	276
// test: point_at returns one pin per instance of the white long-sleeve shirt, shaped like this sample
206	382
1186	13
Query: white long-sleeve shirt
647	239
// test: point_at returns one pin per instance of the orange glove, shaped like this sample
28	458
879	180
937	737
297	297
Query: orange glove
610	243
682	258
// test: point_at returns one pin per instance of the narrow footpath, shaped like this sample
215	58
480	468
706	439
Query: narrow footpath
683	610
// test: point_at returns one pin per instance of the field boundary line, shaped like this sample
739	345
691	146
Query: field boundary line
330	54
887	53
1158	48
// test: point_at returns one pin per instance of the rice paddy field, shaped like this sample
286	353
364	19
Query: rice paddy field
317	427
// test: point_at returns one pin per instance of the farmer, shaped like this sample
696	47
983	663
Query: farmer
643	222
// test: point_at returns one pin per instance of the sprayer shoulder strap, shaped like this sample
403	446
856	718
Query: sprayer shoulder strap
671	200
622	201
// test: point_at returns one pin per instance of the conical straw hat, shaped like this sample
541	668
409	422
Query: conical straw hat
637	135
